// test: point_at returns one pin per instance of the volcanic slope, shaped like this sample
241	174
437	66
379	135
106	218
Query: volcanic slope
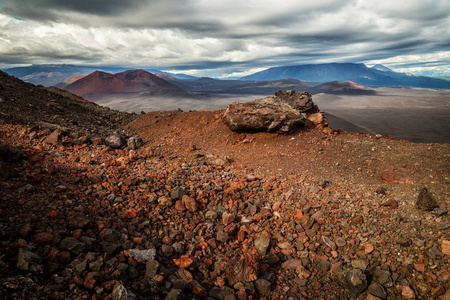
201	212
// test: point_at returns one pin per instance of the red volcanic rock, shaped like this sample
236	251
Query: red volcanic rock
392	177
132	81
391	203
130	214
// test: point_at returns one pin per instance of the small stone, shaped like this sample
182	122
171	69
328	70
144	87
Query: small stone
368	247
262	244
440	211
167	250
164	201
392	177
135	142
120	292
130	214
262	286
222	236
184	261
29	261
404	242
174	294
227	218
323	267
43	238
359	264
141	256
54	138
73	245
355	281
407	292
442	225
292	264
425	201
434	252
446	247
318	215
377	290
190	203
284	245
314	190
324	240
211	215
391	203
177	193
340	242
151	270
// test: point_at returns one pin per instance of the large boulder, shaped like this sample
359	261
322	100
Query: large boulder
284	112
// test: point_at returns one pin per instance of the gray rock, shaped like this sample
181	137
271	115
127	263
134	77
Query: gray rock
425	201
377	290
404	242
112	236
29	261
135	142
434	252
292	264
141	256
220	293
262	244
115	141
283	112
73	245
440	211
262	286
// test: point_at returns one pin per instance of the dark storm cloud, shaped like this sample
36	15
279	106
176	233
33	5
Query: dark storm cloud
232	35
48	9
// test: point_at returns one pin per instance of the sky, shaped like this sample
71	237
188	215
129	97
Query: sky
226	38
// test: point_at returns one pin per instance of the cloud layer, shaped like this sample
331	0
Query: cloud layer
223	37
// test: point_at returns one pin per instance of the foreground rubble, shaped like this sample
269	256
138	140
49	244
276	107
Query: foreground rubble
89	221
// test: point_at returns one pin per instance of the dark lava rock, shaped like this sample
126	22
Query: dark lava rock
262	286
426	201
29	261
115	141
73	245
283	112
377	290
355	281
4	171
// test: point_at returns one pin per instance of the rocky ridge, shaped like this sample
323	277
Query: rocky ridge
195	210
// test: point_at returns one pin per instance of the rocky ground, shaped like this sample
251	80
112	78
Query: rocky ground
199	211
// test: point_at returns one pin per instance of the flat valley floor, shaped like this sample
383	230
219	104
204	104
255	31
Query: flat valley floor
411	114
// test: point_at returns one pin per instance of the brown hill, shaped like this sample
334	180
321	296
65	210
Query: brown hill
202	212
68	81
341	87
52	108
132	81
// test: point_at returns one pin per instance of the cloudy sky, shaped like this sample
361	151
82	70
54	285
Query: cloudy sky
221	38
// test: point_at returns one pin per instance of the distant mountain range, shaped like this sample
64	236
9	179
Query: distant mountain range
48	75
358	73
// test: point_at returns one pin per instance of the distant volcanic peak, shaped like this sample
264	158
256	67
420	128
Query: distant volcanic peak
131	81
